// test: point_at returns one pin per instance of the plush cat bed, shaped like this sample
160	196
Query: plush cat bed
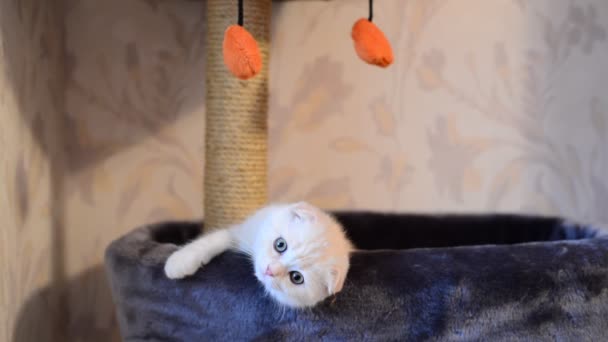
416	277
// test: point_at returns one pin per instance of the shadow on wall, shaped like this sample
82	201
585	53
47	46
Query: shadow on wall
85	324
133	79
33	55
85	95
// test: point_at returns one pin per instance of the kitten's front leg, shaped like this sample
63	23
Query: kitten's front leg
188	259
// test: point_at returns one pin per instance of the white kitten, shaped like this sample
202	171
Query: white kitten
300	253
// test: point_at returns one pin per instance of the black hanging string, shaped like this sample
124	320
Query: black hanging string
371	10
240	20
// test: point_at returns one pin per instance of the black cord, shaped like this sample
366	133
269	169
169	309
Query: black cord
371	10
240	20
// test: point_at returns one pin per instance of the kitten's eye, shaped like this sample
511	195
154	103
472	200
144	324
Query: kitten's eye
296	277
280	245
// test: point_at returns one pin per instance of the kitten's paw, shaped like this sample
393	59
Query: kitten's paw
181	264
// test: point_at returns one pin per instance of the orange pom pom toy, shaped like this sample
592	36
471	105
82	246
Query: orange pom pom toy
244	60
370	43
241	53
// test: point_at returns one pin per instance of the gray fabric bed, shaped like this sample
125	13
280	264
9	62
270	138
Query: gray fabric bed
415	278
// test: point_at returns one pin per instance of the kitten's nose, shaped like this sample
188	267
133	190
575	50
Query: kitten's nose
268	271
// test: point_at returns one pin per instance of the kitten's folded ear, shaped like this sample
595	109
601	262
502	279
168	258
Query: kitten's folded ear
303	211
335	281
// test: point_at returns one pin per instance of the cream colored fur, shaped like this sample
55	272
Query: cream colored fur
317	248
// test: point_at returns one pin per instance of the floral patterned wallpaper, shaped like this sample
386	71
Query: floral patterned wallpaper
31	163
489	106
134	102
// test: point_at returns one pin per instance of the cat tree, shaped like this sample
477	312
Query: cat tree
236	133
414	277
236	127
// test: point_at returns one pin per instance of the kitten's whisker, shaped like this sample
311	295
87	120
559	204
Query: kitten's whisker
315	248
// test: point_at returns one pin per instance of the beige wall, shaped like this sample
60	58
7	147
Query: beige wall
31	163
490	106
136	117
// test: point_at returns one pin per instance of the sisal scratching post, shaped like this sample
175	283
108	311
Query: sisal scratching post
236	119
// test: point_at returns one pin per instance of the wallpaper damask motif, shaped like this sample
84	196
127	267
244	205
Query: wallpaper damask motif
134	102
31	162
489	106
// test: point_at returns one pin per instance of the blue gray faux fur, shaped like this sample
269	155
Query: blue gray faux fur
417	278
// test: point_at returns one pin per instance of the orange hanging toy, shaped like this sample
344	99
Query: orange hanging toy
241	53
370	43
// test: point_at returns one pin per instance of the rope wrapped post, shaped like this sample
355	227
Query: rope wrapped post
235	183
